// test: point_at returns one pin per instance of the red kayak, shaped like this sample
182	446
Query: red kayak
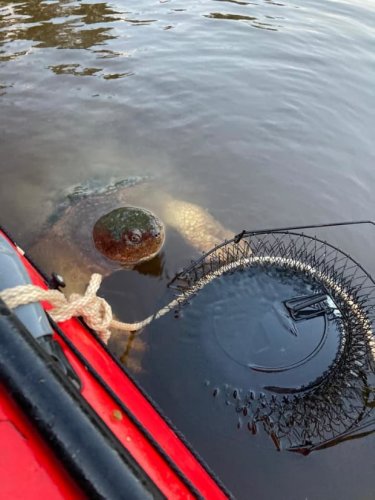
73	423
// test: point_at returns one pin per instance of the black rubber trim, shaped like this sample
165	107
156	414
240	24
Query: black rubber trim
87	448
132	417
51	347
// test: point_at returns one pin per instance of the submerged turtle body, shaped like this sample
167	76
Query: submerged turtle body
89	231
101	231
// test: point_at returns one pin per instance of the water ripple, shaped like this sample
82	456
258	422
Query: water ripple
237	17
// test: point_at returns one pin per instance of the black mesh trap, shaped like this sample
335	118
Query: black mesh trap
293	318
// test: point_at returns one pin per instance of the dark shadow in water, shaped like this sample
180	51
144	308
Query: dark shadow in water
154	267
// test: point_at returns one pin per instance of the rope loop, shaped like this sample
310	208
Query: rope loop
96	312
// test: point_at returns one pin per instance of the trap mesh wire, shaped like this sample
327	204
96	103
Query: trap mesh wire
340	404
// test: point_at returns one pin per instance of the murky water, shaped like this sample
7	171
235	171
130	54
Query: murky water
261	112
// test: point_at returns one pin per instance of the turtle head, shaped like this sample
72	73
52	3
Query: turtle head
129	235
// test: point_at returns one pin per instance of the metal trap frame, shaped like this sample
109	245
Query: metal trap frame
340	404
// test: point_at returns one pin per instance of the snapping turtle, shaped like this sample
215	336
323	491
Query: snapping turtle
98	229
91	229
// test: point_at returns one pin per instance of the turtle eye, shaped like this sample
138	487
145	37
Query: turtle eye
155	233
135	236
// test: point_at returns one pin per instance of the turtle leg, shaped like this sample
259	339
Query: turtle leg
129	348
197	226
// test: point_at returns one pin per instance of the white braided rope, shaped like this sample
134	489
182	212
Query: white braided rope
98	313
95	311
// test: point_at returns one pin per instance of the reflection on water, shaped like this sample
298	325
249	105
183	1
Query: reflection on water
236	17
2	89
266	21
61	25
235	2
57	24
73	69
258	111
70	25
78	70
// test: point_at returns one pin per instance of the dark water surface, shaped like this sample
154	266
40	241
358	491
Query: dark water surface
262	112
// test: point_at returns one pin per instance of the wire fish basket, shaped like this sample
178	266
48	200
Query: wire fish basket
294	318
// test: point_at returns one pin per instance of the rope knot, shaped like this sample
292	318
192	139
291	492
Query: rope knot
96	312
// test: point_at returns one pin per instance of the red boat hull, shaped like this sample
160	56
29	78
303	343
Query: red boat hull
29	468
